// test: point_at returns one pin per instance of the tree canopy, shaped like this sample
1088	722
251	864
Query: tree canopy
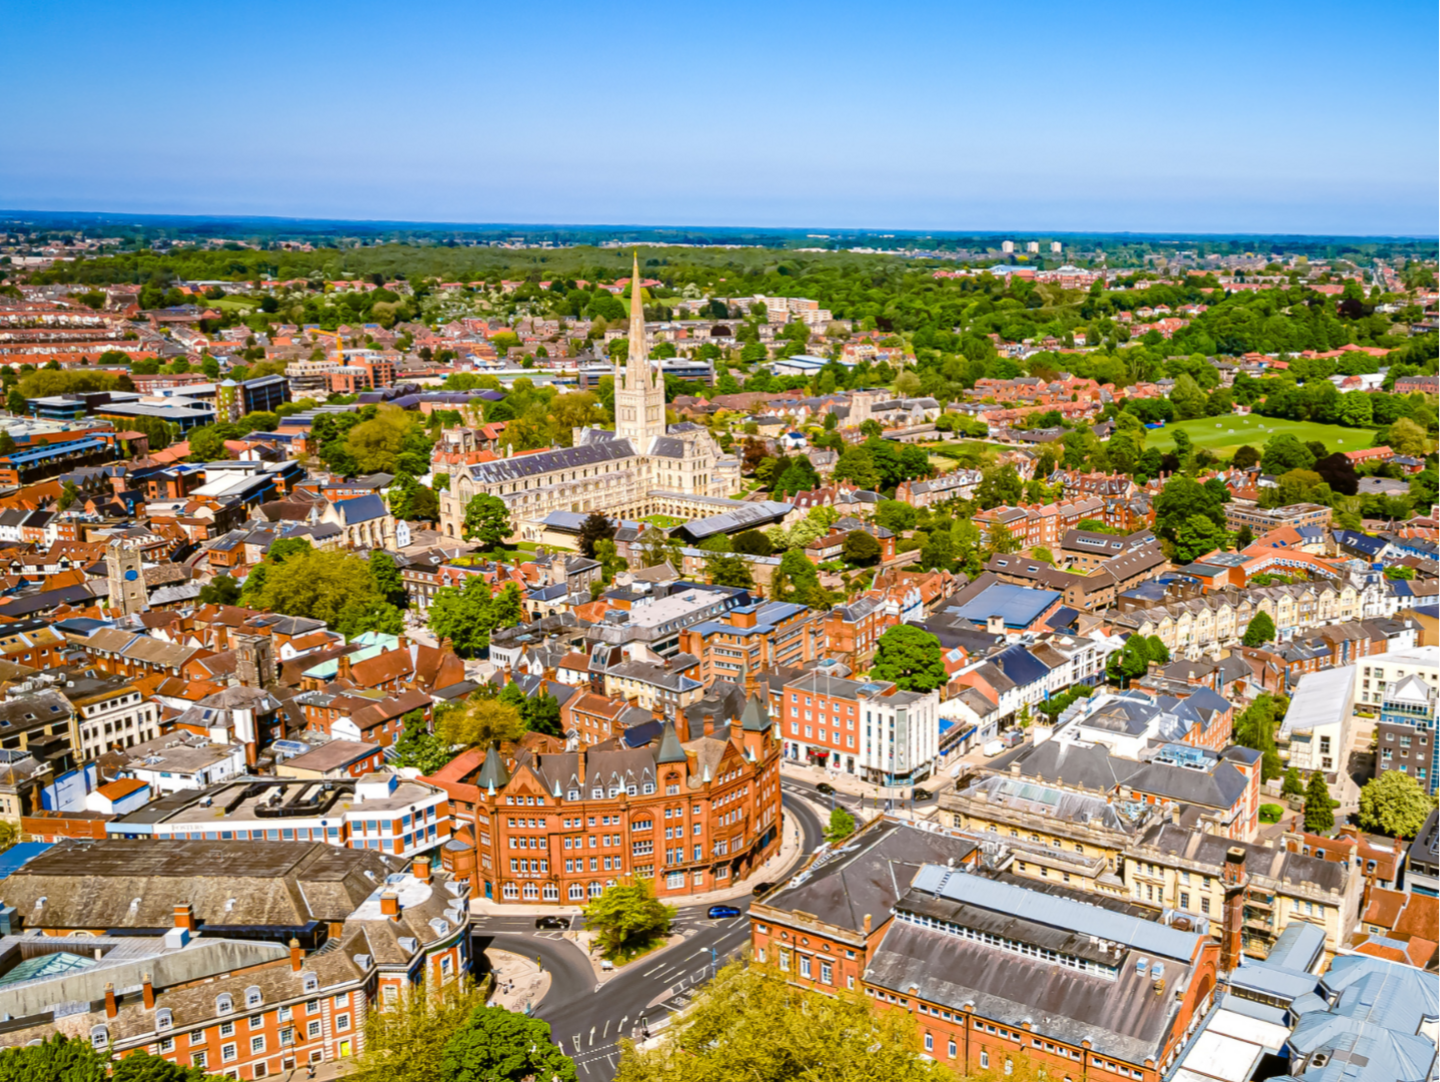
911	657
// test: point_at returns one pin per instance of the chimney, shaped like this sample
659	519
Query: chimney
995	625
185	917
1175	814
867	923
421	869
148	987
1232	945
111	1007
342	667
709	724
222	637
390	904
403	643
297	956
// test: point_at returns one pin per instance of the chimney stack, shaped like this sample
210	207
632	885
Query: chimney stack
709	724
185	917
422	869
297	956
111	1007
148	987
390	904
1232	945
342	667
867	923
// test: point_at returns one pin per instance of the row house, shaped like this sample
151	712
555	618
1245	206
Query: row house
957	485
1042	525
1197	625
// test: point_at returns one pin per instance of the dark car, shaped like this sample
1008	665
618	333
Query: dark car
921	794
825	787
560	923
720	912
762	888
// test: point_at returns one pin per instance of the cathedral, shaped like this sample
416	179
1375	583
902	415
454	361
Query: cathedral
642	468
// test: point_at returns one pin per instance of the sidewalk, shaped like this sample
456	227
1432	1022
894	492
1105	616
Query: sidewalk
519	983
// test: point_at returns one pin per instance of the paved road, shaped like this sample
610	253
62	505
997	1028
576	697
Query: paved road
588	1025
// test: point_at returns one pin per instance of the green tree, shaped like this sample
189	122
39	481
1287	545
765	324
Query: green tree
628	915
998	485
1293	785
1198	536
1395	804
860	548
541	714
147	1067
221	590
895	516
406	1041
842	825
796	579
1187	398
385	577
1245	457
319	585
487	520
1283	453
496	1045
750	1025
1260	630
911	657
1255	729
728	570
1319	807
69	493
420	749
59	1059
479	723
752	543
596	527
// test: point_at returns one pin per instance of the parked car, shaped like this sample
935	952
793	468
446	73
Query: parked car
720	912
762	887
922	794
993	748
825	788
560	923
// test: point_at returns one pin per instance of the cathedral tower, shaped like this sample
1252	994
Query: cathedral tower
640	390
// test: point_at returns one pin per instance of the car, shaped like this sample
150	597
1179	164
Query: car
561	923
825	788
720	912
922	794
762	888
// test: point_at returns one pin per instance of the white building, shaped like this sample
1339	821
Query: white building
182	760
1317	725
1381	669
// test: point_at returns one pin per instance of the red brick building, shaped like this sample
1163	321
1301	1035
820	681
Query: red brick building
691	807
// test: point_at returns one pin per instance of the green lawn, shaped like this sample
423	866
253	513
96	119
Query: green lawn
665	522
1223	435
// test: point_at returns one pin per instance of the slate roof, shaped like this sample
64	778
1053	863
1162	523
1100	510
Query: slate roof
565	458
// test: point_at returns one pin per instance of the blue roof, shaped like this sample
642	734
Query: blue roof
54	450
19	854
1018	606
1020	665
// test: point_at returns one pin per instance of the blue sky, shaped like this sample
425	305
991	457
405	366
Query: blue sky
1218	117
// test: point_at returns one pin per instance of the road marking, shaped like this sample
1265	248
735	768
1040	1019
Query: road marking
657	969
577	1043
592	1036
606	1031
621	1026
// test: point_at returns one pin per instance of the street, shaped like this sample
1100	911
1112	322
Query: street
586	1024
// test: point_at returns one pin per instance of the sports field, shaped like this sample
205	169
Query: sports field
1222	435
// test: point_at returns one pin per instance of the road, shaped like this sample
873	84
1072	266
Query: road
587	1025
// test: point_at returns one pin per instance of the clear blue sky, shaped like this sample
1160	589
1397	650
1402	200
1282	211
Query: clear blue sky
1210	117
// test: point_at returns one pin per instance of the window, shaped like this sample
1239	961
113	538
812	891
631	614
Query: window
984	1058
929	1042
227	1029
227	1053
197	1059
342	1022
257	1044
312	1030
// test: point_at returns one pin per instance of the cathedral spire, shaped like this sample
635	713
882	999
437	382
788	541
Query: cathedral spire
637	367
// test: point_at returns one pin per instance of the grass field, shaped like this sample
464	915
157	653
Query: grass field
1222	435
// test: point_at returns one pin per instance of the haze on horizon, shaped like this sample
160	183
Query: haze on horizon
1225	119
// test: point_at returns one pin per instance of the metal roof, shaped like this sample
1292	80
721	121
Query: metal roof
1056	912
1017	606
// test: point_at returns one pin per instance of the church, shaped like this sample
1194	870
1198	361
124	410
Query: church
643	467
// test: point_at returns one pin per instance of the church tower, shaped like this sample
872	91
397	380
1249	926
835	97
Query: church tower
640	390
126	577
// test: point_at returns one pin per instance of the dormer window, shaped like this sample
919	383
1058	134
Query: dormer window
224	1003
311	982
253	998
164	1019
99	1037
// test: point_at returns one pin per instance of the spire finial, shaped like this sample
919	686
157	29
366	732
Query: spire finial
638	352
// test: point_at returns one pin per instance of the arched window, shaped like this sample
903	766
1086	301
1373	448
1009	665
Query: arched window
253	998
163	1019
224	1003
99	1037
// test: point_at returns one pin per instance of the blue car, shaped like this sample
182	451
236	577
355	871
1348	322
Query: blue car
720	912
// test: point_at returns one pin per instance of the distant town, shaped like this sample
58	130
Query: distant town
1015	655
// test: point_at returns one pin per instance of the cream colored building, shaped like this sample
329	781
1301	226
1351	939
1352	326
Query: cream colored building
1190	628
643	467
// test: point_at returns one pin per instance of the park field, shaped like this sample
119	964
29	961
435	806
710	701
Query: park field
1221	436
